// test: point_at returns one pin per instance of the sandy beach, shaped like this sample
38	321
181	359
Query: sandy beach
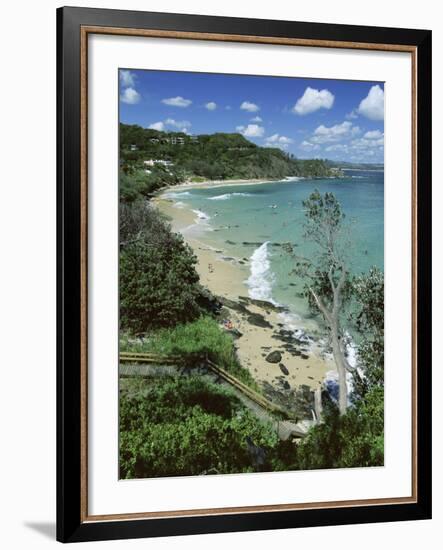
300	363
220	183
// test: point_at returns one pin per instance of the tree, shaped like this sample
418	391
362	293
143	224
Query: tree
326	274
159	285
352	440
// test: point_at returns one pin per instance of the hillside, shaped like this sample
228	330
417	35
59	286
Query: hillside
216	156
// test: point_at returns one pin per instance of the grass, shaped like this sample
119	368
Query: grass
193	341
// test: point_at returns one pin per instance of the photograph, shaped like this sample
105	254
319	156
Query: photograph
251	273
244	273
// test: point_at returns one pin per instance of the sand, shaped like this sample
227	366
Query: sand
220	183
226	278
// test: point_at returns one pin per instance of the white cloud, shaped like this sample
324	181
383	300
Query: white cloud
276	140
130	96
127	78
251	130
313	100
180	124
178	101
342	147
373	105
308	146
360	149
338	132
257	119
286	140
372	143
373	134
228	107
211	105
250	107
160	126
352	115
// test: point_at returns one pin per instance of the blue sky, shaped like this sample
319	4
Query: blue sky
311	118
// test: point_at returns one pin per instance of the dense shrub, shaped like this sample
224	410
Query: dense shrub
159	286
136	183
355	439
187	426
369	291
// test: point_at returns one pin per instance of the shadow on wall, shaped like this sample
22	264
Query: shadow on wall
45	529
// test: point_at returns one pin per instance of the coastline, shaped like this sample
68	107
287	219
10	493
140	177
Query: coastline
263	327
222	183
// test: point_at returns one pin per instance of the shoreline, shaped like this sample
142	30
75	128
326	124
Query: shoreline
263	328
207	184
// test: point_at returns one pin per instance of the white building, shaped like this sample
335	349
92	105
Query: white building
153	162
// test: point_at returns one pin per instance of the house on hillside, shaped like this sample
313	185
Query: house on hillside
153	162
133	147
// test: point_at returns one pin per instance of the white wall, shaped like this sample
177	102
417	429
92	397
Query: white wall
27	300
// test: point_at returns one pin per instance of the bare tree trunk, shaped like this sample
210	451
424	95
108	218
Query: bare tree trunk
318	407
332	318
340	362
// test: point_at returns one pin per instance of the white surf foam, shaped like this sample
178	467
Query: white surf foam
201	215
227	196
176	194
293	322
261	278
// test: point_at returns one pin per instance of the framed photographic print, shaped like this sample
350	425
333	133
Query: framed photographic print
244	274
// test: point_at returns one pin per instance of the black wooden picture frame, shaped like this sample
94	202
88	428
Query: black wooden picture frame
73	24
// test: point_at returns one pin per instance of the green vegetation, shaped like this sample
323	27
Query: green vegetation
352	440
187	426
159	286
368	293
193	342
196	158
137	183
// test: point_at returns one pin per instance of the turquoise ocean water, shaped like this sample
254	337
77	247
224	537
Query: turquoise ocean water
251	221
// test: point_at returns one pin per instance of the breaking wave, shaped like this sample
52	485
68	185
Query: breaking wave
176	195
227	196
261	279
201	215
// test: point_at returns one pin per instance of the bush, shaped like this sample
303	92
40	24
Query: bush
193	341
355	439
158	286
186	426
